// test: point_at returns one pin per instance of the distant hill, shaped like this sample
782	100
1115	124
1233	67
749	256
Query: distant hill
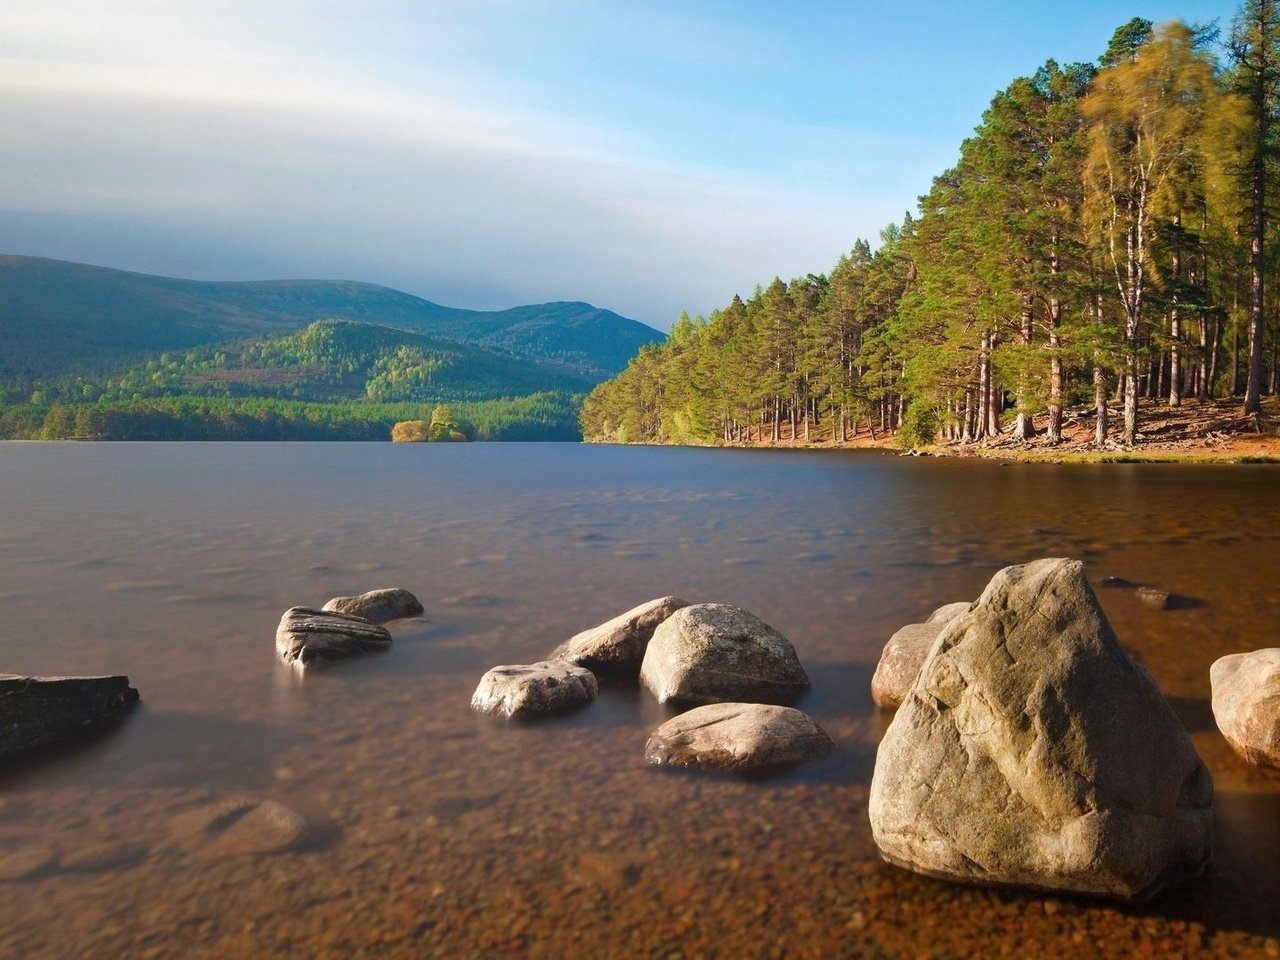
59	318
339	361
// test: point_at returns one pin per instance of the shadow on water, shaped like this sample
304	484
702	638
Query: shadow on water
1240	889
1195	713
153	748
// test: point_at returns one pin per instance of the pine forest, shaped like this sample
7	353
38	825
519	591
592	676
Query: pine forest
1107	235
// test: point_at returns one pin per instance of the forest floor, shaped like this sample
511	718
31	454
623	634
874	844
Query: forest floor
1212	431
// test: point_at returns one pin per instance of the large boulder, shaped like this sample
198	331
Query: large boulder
714	652
308	637
1246	703
525	691
38	712
739	737
901	660
378	606
616	648
1032	751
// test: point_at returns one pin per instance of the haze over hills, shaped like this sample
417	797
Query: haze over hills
59	317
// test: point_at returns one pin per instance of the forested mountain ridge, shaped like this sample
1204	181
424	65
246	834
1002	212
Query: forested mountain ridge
58	318
1104	236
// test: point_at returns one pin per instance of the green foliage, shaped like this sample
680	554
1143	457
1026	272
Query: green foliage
539	416
920	426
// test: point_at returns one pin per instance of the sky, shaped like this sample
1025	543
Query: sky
645	156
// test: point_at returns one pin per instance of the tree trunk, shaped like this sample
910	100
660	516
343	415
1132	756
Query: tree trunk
1023	428
1099	400
1175	319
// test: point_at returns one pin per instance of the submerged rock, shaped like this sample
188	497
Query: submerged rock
1246	703
739	737
378	606
38	712
616	648
901	660
238	827
1156	599
1032	751
524	691
26	863
714	652
307	637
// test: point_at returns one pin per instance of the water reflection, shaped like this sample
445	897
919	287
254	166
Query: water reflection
452	834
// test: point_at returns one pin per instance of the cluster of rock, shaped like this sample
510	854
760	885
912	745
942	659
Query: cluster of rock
1031	750
714	654
345	627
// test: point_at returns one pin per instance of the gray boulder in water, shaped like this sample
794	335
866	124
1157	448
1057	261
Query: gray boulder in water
616	648
308	637
38	712
738	737
715	652
1032	751
524	691
378	606
1246	703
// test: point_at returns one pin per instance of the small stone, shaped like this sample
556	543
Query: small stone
1156	599
739	737
616	648
308	637
378	606
715	652
523	691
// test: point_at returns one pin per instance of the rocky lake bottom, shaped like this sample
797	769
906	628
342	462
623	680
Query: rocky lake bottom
366	810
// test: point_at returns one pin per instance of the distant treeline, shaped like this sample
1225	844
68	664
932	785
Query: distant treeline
540	416
1105	235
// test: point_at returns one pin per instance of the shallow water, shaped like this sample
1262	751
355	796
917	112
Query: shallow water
437	832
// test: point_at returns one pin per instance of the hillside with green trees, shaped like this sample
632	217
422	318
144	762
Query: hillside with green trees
91	353
334	379
59	318
1106	235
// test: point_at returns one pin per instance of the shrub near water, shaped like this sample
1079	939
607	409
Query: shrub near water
919	427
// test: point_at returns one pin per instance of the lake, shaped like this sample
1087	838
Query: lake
437	832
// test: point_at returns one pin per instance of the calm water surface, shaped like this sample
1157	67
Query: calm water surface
437	832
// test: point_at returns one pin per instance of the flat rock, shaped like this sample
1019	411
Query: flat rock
1246	703
714	652
524	691
238	827
616	648
26	862
307	637
949	611
738	737
901	660
378	606
1032	751
38	712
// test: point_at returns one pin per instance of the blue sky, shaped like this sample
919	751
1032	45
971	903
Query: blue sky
647	157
